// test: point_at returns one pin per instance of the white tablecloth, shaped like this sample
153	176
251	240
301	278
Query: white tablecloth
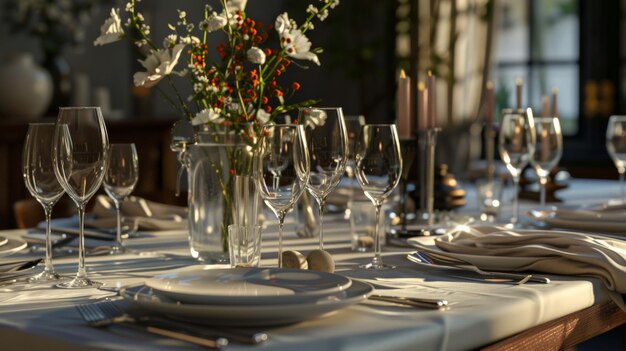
36	317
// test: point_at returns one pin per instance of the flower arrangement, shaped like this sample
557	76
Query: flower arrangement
244	88
56	24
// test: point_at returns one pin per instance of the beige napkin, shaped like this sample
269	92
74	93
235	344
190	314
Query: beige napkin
558	252
138	213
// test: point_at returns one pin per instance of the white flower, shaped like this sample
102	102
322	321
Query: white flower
312	9
158	64
182	14
235	5
298	46
213	22
322	15
170	41
111	31
314	117
263	117
210	115
190	39
283	24
255	55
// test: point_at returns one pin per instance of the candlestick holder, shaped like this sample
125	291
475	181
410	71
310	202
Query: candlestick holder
490	148
408	148
427	141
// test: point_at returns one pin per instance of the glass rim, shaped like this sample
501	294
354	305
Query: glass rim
41	123
79	107
321	108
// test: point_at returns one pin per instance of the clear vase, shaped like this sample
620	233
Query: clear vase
221	192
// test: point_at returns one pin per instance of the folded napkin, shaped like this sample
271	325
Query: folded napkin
138	213
557	252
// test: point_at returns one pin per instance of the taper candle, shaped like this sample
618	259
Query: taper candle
545	106
489	103
422	106
555	109
431	87
404	106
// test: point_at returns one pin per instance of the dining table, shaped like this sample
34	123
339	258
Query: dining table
482	314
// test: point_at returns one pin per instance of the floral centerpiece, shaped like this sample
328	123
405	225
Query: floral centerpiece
241	92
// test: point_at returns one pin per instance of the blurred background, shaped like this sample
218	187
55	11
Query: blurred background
575	46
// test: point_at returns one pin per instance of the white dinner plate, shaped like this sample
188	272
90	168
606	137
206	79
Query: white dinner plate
12	246
249	286
310	307
582	220
3	240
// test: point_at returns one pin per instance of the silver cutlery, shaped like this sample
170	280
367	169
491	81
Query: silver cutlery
105	313
439	304
437	260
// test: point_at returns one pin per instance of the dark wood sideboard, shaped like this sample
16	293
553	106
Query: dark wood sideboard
157	163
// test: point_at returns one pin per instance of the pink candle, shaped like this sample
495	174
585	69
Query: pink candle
489	103
404	106
431	87
555	110
422	106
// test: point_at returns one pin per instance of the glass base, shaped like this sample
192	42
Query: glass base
377	266
80	283
45	276
117	250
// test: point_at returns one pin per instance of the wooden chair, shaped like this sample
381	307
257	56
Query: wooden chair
28	212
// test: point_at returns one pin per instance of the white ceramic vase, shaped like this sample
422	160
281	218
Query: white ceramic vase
25	89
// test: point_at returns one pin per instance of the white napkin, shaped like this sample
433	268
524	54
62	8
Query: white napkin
558	252
139	213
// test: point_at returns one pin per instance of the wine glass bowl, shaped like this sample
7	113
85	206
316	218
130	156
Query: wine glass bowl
42	184
516	145
281	170
120	180
378	171
80	149
616	147
328	150
548	150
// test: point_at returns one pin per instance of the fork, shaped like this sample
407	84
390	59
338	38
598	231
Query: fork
517	279
111	313
97	315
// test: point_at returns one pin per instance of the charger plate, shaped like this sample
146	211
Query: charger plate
250	315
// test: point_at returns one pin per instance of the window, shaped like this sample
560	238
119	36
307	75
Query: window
538	41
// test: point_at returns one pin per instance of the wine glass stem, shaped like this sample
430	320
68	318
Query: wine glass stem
82	272
320	205
377	261
281	224
48	260
542	189
119	224
514	219
621	185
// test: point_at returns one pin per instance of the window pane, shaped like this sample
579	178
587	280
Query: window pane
512	31
504	81
556	30
565	79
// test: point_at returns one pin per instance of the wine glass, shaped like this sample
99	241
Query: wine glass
328	149
378	171
616	146
516	144
548	150
120	180
42	183
80	148
281	171
353	128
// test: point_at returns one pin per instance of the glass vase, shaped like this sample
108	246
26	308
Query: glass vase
221	192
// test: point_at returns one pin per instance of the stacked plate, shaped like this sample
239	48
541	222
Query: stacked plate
10	246
595	218
246	296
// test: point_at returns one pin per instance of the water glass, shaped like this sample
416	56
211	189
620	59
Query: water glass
616	147
362	225
489	193
244	244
